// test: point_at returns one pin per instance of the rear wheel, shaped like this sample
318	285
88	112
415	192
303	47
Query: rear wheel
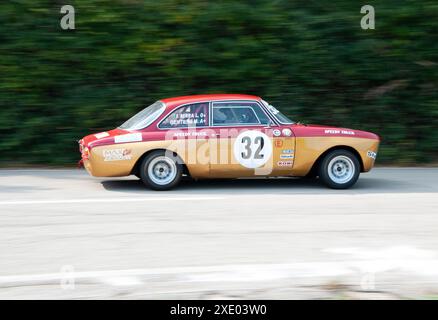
339	169
161	170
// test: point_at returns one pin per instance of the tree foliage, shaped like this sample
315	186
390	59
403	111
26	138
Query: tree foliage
309	58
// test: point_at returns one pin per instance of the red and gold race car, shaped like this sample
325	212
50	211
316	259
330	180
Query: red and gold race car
226	136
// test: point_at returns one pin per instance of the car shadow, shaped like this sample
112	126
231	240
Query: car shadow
268	186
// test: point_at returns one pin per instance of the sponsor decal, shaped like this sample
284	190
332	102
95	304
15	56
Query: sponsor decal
276	132
190	119
286	156
272	109
130	137
287	151
101	135
190	134
117	154
372	155
252	149
287	132
278	143
284	163
336	131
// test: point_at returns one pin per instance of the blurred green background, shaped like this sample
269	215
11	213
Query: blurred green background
308	58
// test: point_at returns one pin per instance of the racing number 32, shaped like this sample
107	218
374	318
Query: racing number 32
248	151
252	149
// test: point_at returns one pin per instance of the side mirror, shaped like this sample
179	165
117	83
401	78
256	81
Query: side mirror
269	124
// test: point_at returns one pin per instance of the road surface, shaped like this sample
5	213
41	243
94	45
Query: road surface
64	234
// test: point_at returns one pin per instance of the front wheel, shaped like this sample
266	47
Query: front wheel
161	170
339	169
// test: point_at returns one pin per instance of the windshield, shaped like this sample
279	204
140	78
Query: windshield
277	114
145	117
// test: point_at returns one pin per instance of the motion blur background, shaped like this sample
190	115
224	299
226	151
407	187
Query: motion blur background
310	59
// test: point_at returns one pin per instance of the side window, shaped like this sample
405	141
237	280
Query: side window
238	113
192	115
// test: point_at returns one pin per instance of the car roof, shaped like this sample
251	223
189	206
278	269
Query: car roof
176	101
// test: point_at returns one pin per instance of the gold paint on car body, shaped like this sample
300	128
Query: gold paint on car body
309	149
306	150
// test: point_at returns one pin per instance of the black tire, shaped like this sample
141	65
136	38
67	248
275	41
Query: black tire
163	158
334	164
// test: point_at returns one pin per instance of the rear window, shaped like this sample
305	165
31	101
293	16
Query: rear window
188	116
145	117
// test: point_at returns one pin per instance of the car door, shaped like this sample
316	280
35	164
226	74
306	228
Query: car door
244	144
186	133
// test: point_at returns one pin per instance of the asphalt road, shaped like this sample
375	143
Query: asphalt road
64	234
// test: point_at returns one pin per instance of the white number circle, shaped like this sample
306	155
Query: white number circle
252	149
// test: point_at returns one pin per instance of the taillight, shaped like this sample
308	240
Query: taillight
81	145
85	153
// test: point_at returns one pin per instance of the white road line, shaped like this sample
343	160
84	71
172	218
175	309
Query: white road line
107	200
197	273
233	273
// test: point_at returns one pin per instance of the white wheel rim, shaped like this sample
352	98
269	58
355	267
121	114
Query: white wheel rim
162	170
341	169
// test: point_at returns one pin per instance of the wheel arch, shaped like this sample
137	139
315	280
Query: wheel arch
136	169
315	165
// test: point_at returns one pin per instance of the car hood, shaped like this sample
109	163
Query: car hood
322	130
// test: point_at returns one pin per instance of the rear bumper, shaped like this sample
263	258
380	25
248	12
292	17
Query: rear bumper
98	167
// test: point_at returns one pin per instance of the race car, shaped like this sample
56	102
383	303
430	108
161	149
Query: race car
226	136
